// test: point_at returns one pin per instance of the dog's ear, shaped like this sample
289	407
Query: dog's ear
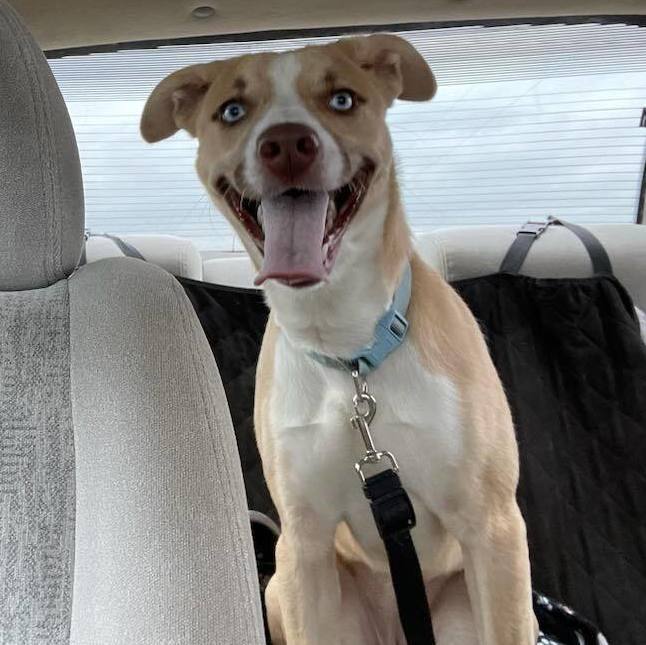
399	68
173	103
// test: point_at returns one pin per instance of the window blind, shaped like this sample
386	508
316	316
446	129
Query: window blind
528	121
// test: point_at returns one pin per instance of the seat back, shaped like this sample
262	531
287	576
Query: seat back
122	507
461	252
178	255
234	270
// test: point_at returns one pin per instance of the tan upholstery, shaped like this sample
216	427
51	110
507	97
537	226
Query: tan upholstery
177	255
467	252
233	270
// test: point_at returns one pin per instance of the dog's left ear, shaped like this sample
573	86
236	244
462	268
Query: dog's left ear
399	68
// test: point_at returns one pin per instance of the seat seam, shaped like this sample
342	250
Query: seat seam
28	57
72	419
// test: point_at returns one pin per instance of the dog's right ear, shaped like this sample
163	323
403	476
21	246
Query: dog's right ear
173	103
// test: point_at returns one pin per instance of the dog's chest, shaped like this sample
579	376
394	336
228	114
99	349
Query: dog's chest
417	419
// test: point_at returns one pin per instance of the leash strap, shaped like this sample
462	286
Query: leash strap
395	517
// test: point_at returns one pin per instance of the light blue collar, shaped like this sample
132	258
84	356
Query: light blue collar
389	335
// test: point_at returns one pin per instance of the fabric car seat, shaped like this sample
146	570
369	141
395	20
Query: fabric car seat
122	507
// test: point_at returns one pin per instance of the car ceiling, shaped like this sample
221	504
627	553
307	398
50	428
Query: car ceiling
60	24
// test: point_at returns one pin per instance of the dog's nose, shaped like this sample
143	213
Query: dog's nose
288	150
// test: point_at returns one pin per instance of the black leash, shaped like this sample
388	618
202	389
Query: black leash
394	516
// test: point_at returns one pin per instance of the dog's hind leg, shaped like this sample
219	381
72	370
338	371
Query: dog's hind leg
274	617
307	584
351	625
497	572
357	626
453	620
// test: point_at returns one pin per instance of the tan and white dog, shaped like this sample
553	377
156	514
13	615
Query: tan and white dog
294	149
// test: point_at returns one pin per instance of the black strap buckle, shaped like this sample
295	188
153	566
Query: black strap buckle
391	507
534	228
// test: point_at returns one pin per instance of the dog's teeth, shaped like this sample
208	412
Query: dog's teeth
259	216
331	214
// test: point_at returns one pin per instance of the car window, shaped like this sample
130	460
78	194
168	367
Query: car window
529	121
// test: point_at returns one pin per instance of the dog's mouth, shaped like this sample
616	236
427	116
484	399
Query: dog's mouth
298	231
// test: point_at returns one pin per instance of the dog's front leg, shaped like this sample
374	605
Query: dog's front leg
307	585
497	572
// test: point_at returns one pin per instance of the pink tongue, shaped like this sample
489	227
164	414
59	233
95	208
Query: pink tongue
294	229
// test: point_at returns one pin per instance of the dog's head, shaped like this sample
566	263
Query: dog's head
293	147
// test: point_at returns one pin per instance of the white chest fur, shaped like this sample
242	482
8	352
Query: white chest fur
417	420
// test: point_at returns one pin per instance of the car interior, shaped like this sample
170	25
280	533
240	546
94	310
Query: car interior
133	507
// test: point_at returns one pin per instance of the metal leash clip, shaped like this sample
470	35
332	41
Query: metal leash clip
365	407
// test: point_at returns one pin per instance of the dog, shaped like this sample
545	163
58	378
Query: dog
295	151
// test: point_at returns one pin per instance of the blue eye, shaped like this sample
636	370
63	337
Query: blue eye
342	101
232	111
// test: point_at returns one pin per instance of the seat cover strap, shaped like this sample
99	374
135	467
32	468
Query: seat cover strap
125	247
531	231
